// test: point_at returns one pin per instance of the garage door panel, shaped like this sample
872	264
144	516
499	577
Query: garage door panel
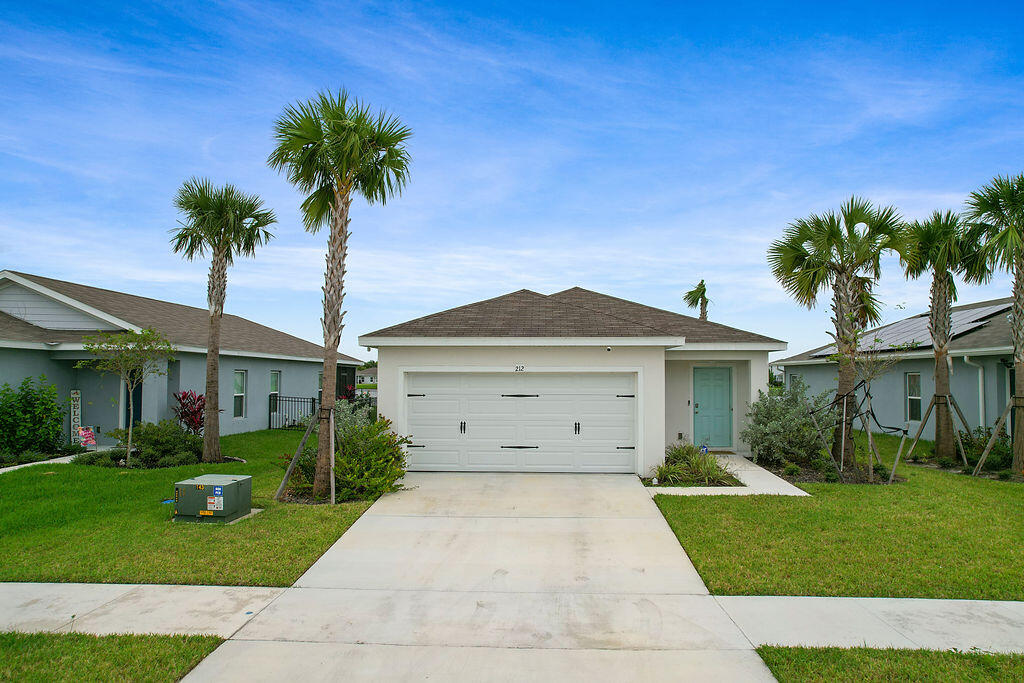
545	418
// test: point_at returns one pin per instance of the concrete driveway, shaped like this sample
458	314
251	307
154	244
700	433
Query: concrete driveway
473	576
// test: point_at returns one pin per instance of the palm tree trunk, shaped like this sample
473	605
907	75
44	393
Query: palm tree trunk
1017	334
334	296
215	294
844	315
939	325
703	309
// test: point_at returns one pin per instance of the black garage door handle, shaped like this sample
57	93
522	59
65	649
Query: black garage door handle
520	446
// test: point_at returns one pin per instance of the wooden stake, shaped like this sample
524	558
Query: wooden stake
295	458
920	429
992	441
899	451
824	444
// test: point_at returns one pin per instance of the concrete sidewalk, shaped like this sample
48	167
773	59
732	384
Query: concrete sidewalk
63	460
756	480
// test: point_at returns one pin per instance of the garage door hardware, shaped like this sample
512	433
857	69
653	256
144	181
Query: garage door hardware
626	448
520	395
576	428
520	446
625	395
462	427
414	446
415	394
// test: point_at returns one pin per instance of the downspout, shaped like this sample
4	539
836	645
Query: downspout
981	388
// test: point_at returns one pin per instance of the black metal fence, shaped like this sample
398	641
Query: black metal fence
290	412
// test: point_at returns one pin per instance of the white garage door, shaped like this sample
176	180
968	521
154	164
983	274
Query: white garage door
531	422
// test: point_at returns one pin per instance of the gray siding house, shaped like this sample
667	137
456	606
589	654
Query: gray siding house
982	362
42	322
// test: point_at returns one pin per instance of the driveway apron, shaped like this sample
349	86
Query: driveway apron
480	576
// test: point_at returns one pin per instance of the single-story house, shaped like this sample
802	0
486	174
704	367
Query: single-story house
42	322
982	362
366	376
575	381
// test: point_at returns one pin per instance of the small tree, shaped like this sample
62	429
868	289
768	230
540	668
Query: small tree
698	298
132	356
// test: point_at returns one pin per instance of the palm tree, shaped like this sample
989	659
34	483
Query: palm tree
332	148
942	246
841	251
997	212
698	297
226	223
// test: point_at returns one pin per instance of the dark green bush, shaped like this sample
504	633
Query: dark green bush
881	471
31	417
113	457
779	426
1001	455
831	476
8	459
369	460
163	442
791	469
1005	475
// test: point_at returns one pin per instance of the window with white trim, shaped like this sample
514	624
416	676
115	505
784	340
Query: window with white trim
320	388
241	384
275	389
912	394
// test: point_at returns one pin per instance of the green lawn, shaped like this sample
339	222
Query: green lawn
937	535
48	657
866	664
94	524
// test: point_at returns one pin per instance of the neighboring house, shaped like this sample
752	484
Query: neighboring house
575	381
366	376
982	362
42	322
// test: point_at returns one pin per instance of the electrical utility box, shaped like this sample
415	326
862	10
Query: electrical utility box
213	498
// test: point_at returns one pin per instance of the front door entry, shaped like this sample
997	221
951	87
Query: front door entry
712	407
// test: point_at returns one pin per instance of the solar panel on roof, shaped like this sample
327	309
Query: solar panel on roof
913	332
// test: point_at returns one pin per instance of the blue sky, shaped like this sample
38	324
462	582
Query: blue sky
629	148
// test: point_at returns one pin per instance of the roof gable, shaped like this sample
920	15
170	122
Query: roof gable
571	313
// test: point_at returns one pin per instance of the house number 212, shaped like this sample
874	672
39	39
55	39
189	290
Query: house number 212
520	368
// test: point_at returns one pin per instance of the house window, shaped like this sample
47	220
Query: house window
320	388
241	382
275	389
912	389
792	380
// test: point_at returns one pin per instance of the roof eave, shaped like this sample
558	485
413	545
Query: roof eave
370	341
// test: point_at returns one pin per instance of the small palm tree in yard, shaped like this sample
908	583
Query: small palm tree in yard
226	223
698	298
943	246
334	148
839	251
997	213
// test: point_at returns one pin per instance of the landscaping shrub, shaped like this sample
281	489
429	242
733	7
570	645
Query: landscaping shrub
791	469
8	459
779	427
686	464
113	457
369	460
1001	455
190	411
31	417
163	444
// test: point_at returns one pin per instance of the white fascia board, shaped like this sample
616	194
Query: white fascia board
374	342
68	301
732	346
78	346
926	353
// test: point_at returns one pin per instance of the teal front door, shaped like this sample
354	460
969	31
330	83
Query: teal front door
712	407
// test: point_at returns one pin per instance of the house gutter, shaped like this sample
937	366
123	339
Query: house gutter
981	388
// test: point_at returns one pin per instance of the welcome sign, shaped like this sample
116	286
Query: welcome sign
76	415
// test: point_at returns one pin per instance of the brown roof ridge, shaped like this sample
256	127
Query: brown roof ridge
610	315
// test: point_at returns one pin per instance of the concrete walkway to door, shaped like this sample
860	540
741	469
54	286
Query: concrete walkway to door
477	576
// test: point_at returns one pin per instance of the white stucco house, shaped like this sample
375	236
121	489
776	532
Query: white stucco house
574	381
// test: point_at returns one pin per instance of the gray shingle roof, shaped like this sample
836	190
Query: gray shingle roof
183	325
993	334
574	312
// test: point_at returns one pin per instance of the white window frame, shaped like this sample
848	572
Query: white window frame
907	397
320	388
244	394
272	392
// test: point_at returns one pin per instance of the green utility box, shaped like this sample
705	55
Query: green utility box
213	498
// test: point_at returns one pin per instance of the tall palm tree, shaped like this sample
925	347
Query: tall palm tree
698	297
226	223
942	246
997	212
333	148
842	251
